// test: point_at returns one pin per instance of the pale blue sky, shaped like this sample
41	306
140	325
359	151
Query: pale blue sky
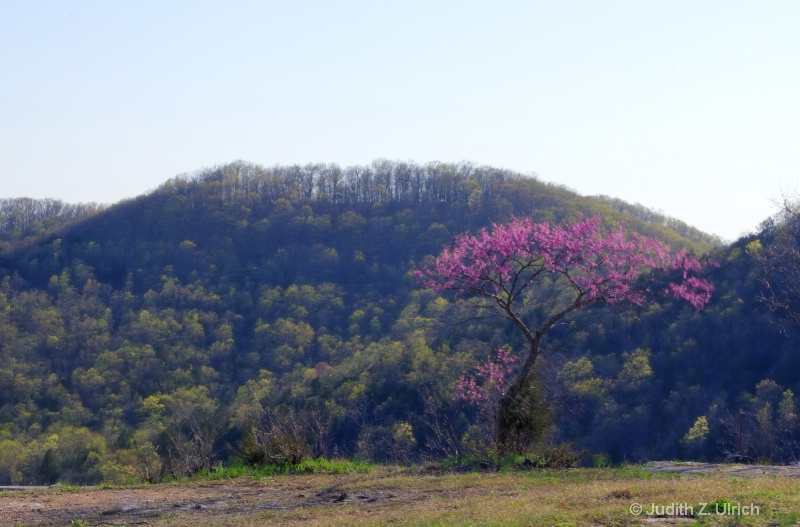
688	107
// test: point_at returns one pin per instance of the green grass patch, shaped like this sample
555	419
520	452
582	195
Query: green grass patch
311	466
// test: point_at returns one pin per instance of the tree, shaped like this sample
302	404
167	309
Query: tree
779	259
559	270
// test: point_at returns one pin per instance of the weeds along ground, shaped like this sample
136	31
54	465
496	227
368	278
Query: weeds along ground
390	496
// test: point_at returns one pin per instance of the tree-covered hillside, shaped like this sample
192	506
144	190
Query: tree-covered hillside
26	219
272	313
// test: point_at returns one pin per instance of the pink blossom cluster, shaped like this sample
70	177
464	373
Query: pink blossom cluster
494	374
600	265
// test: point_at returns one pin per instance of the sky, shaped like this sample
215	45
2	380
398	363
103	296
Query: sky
691	108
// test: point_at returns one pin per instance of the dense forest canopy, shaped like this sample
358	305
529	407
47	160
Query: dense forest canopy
22	218
480	187
272	313
650	216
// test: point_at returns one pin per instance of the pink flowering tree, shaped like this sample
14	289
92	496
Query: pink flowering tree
578	263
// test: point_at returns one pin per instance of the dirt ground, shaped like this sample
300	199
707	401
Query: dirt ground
792	471
222	502
194	503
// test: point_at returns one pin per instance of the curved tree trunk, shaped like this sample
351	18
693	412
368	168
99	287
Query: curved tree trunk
517	419
514	410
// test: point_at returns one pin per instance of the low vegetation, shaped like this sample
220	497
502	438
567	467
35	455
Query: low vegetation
427	496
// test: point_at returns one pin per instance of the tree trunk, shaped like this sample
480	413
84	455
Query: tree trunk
520	417
517	419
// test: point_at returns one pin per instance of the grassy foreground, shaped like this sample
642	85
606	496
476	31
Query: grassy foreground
582	497
393	497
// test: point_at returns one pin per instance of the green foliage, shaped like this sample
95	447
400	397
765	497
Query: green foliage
558	457
308	466
698	432
270	313
526	422
601	461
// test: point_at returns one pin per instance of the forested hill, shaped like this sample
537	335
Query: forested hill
26	219
291	225
245	310
650	216
486	194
